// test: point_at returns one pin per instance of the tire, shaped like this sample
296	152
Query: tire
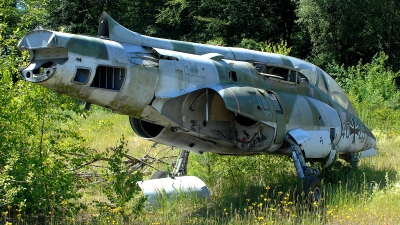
312	189
159	174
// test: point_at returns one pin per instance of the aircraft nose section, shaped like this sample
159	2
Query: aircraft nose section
38	39
38	71
370	138
369	144
370	151
45	54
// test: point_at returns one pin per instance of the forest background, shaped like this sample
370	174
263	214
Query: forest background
357	42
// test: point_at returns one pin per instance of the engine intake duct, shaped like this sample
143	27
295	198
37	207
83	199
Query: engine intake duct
145	129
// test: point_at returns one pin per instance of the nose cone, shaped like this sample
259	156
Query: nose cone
370	140
367	143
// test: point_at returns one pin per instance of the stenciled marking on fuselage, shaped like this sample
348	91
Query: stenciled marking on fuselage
351	129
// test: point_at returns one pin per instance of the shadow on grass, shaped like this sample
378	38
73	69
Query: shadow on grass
342	184
341	173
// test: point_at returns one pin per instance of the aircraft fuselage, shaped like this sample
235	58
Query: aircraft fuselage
200	97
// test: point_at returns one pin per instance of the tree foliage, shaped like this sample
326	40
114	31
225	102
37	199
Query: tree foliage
82	17
346	31
38	144
122	188
36	153
40	148
372	89
232	21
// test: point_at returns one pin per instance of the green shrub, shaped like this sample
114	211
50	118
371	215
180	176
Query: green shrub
372	90
120	187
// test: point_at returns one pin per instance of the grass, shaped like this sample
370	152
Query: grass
369	195
254	190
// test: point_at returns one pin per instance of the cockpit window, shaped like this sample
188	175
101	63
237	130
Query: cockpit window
310	74
338	94
281	73
328	85
321	83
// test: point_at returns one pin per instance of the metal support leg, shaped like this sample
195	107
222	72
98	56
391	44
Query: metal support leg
299	162
330	158
309	181
180	168
333	151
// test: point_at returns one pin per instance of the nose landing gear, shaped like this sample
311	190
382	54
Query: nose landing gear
308	177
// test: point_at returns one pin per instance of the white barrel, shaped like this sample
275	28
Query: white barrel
159	188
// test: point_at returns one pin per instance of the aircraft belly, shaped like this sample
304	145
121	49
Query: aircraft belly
206	115
150	114
193	142
102	96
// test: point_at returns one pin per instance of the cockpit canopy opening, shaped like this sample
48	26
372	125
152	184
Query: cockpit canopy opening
281	73
311	74
327	84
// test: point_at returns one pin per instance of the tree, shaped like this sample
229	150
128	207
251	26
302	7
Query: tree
201	21
36	170
82	17
346	31
371	88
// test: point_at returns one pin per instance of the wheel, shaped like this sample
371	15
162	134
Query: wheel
159	174
312	189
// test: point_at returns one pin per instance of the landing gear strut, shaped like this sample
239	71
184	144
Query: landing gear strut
164	184
180	167
310	183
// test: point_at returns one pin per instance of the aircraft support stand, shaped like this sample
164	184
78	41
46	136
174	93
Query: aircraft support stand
180	168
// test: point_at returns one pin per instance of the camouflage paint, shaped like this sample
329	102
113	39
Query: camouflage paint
189	75
181	46
222	72
86	46
286	61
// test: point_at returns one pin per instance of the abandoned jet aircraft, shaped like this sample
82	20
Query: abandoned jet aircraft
204	98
